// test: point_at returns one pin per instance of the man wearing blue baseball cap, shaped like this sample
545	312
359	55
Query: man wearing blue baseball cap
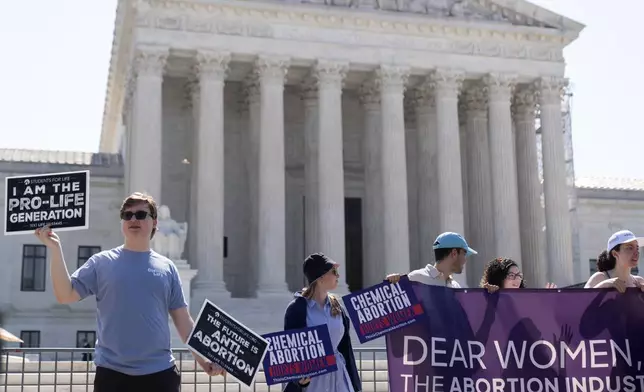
450	251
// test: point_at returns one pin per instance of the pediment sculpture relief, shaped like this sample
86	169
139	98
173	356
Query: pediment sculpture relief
463	9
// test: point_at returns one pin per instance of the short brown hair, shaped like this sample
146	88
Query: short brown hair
141	198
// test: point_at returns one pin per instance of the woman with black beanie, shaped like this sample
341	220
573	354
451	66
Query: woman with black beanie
315	306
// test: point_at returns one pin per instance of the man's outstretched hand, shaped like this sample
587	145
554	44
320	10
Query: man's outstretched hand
212	369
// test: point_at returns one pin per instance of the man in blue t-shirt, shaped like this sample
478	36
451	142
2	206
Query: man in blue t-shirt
135	289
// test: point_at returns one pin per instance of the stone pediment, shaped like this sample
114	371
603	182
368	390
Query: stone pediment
511	12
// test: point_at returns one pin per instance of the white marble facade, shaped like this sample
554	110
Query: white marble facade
284	109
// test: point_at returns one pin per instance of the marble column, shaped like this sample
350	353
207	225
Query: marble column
391	80
464	160
311	125
374	268
330	165
193	92
427	153
244	203
252	96
529	187
128	114
505	197
481	214
271	223
411	162
446	84
211	69
558	225
147	135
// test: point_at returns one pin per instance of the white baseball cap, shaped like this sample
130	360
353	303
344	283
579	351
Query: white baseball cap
623	237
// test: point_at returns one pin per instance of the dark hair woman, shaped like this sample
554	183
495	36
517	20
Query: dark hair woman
504	273
615	263
315	306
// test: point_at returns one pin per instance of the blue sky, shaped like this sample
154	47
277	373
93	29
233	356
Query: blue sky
55	61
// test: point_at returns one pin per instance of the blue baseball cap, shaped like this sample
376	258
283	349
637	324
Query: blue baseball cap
453	240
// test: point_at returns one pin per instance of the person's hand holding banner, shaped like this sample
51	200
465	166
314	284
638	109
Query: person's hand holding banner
639	284
224	344
491	288
60	200
48	237
520	340
620	285
298	355
210	368
393	278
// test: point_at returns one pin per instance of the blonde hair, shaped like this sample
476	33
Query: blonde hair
141	198
336	308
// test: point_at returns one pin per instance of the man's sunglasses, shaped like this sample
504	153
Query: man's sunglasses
139	215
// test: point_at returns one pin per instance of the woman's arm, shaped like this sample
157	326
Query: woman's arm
615	283
606	283
594	280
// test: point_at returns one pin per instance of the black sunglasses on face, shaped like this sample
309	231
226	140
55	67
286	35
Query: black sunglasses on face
139	215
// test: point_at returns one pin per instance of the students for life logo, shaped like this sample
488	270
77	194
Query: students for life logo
155	272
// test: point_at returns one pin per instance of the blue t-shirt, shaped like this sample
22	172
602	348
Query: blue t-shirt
134	293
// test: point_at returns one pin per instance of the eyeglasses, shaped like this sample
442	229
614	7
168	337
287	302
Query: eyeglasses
335	272
139	215
513	276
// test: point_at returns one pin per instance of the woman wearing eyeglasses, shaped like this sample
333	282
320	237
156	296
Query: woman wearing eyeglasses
315	306
505	274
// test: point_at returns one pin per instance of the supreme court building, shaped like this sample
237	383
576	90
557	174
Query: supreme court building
358	128
280	128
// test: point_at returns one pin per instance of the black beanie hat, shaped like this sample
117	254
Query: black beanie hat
316	265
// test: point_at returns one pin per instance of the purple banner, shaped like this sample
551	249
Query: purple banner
520	341
298	353
380	309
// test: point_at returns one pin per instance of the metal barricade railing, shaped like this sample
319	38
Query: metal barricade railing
71	370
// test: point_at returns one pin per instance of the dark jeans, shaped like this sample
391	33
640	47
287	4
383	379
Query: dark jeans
108	380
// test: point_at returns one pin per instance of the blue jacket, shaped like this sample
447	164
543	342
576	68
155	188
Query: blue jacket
295	318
